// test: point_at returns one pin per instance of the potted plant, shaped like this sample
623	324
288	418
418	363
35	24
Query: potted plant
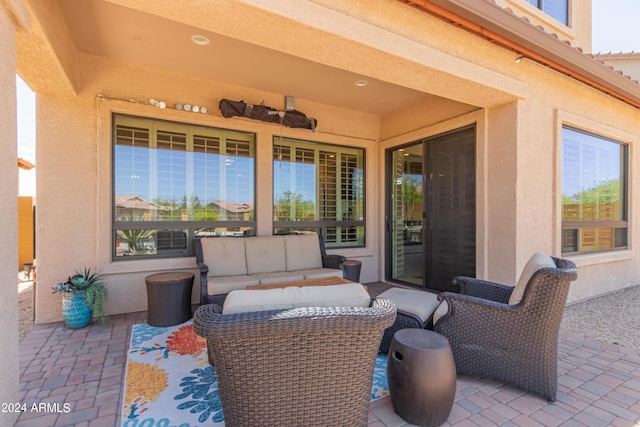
83	296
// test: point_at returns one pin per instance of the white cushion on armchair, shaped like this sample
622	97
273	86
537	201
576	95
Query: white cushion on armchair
537	262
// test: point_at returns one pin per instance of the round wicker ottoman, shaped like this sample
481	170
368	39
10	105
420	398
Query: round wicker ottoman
422	377
169	298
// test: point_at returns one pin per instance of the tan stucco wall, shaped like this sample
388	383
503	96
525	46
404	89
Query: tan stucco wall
67	246
518	109
9	219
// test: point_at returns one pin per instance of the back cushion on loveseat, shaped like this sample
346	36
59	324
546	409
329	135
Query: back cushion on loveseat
265	254
303	251
224	255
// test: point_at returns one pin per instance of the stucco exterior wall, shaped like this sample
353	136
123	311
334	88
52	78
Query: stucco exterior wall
67	246
9	219
518	110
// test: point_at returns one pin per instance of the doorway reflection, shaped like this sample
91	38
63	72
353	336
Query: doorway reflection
407	257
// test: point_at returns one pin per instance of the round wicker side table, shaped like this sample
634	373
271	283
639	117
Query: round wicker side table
169	298
352	269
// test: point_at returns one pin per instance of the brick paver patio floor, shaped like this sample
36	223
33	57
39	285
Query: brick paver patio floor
80	373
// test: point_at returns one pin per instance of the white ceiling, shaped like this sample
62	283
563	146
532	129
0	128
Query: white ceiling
108	30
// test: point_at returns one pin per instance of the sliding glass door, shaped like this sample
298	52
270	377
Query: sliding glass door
431	210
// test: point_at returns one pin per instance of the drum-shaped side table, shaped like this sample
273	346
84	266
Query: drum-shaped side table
422	377
169	298
352	269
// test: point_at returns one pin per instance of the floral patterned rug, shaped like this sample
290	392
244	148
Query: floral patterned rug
169	381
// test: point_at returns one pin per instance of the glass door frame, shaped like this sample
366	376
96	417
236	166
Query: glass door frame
453	222
407	233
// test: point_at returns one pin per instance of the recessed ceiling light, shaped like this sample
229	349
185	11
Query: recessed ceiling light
361	83
200	40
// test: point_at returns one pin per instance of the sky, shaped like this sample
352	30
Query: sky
615	25
615	29
26	136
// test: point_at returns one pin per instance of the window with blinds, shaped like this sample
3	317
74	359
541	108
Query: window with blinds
319	188
594	193
174	181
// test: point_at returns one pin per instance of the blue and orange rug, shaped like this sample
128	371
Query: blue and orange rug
169	381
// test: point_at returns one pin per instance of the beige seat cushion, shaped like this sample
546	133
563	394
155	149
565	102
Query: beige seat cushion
224	255
421	304
537	262
347	295
302	252
265	254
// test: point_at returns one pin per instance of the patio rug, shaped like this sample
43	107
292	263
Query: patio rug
169	380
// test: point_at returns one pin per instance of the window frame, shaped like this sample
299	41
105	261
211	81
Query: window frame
617	224
188	226
322	226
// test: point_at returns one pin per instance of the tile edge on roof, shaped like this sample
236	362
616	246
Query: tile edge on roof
577	48
545	50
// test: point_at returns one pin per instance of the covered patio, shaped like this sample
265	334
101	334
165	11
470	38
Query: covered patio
382	78
598	383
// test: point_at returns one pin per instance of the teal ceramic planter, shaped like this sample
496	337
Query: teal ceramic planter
76	313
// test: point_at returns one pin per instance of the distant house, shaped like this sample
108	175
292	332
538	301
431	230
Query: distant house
627	62
232	211
135	207
25	164
26	228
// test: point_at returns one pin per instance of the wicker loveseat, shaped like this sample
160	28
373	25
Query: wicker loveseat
510	333
230	263
297	367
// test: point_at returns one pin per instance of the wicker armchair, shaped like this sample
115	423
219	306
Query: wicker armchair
299	367
514	343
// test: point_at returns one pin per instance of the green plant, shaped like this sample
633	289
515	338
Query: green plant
96	292
136	240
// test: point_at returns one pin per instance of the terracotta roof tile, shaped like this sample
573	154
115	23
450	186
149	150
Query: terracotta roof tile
25	164
578	49
582	72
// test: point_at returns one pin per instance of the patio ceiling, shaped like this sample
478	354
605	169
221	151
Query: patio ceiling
113	31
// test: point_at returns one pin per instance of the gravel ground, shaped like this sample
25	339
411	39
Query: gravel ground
25	304
612	318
